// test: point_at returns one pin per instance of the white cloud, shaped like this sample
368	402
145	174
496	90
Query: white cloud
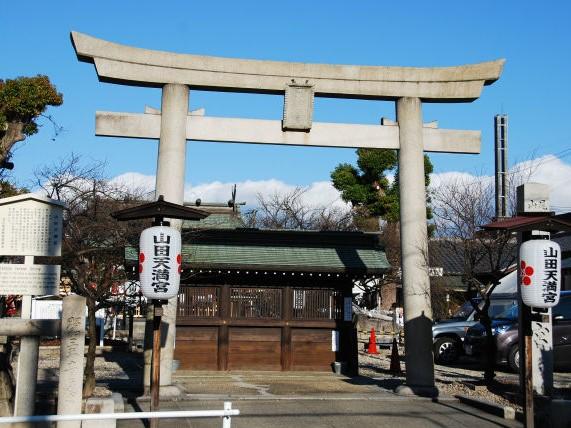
548	169
135	181
319	193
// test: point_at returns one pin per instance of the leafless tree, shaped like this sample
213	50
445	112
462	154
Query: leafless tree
291	211
389	238
93	242
460	210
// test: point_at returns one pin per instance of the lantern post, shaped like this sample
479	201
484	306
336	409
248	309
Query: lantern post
156	363
532	201
160	266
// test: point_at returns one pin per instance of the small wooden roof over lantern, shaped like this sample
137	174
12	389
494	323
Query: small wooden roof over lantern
523	223
159	210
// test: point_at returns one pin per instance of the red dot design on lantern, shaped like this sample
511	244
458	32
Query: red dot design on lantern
526	273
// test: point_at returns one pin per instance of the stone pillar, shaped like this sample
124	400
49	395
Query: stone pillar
71	359
170	183
414	252
172	145
25	401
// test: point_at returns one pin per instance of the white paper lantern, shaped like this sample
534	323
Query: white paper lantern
540	273
160	262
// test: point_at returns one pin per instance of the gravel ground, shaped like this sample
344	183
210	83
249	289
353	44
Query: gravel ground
117	370
452	380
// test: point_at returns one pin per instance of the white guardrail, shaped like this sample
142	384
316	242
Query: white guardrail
225	414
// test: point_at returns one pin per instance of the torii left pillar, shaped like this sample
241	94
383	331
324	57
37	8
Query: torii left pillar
170	183
414	252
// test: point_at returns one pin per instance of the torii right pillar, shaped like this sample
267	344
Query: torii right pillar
414	252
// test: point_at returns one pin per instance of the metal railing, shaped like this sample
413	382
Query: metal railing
225	414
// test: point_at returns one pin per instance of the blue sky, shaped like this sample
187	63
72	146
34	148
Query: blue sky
534	88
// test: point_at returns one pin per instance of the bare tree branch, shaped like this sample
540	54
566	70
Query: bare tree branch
291	211
93	242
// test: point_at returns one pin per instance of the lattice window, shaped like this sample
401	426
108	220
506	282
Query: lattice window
198	302
248	303
317	304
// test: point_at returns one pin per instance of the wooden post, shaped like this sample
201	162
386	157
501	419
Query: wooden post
286	329
529	408
525	349
130	340
156	360
223	333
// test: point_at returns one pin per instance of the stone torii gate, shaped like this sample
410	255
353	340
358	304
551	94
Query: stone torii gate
408	87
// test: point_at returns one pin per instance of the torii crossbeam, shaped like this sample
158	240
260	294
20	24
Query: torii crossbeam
256	131
408	87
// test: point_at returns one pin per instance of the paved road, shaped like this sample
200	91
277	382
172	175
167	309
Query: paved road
390	411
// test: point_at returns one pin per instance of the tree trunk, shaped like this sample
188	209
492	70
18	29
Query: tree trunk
10	136
7	387
489	372
89	384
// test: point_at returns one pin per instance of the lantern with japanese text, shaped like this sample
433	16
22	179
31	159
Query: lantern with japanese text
540	273
160	262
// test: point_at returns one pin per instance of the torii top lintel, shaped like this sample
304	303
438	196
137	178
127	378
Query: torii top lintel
142	67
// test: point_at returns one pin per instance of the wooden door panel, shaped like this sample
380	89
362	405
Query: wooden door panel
197	348
311	349
253	348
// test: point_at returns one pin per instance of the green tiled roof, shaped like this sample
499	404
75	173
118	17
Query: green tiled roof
215	221
245	249
285	258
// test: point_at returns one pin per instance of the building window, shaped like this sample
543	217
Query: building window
255	303
198	302
317	304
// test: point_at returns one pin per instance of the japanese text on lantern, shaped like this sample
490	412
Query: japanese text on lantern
161	259
551	272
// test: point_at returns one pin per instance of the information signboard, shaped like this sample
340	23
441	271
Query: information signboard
29	280
30	225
